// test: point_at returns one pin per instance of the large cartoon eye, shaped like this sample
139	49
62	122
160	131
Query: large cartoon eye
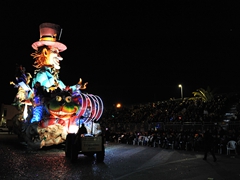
58	98
68	99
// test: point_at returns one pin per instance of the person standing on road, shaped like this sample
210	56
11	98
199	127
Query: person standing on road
82	130
209	145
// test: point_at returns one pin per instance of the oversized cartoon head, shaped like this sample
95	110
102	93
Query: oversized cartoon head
47	56
48	46
54	128
62	106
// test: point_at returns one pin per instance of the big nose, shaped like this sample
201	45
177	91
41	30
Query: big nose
59	57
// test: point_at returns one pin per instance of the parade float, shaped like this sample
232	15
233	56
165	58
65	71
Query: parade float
50	112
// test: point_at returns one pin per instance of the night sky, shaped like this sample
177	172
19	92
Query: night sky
129	51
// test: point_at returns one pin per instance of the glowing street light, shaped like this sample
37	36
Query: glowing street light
180	86
119	105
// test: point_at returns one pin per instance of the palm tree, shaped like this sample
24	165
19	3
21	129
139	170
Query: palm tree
205	95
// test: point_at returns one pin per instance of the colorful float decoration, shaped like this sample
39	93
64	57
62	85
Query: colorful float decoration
49	109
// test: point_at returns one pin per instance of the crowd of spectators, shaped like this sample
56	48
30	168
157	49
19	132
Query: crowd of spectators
187	110
173	111
190	140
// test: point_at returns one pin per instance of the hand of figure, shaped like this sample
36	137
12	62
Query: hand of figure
12	83
85	85
52	88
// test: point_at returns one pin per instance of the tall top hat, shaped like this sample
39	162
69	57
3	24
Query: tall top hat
49	35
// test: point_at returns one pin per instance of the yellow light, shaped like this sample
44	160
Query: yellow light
181	87
118	105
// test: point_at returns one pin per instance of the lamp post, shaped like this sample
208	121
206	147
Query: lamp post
180	86
118	105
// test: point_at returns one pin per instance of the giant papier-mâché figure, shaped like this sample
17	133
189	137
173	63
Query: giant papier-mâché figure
47	57
54	108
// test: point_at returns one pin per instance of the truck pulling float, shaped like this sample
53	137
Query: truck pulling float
51	113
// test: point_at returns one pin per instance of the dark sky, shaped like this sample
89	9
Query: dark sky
129	51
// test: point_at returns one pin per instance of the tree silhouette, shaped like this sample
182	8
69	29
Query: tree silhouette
205	95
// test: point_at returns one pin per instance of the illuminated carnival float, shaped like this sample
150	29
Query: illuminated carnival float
49	110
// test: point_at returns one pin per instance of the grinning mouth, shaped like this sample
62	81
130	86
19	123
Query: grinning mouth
60	113
56	60
56	63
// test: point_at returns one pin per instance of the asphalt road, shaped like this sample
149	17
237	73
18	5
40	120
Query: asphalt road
122	162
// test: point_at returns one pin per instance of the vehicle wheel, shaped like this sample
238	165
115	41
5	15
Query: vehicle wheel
74	153
68	145
100	155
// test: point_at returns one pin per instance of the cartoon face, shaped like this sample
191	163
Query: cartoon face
62	106
53	57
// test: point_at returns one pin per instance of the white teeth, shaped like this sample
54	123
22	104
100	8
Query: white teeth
60	113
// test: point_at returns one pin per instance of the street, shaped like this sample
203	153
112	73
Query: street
122	162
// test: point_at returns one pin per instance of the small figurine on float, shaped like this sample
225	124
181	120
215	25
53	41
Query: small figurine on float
20	74
22	80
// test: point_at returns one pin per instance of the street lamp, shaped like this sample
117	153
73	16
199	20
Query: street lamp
180	86
118	105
